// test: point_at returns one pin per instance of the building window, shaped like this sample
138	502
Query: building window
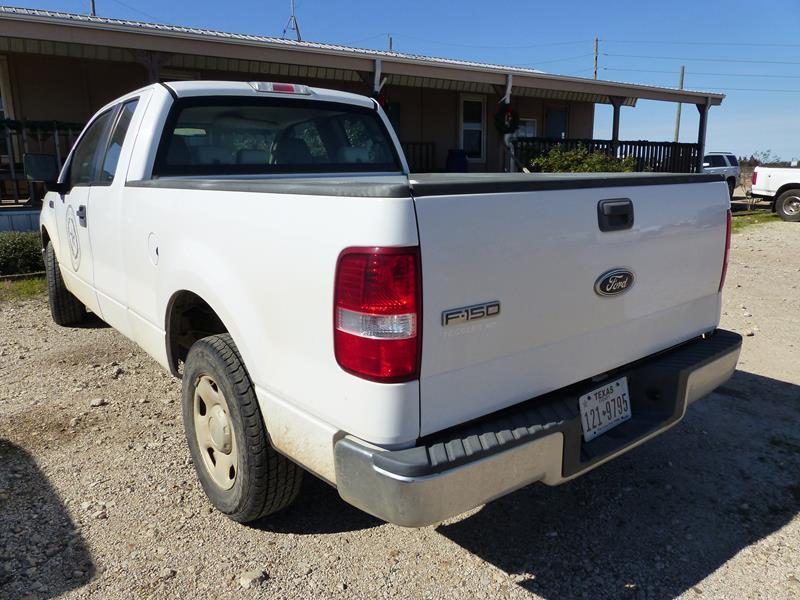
527	129
473	127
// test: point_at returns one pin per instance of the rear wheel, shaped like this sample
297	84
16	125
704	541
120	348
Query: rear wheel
65	308
788	205
242	475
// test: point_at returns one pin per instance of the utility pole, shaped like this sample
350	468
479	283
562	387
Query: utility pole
391	44
596	46
678	110
292	25
94	12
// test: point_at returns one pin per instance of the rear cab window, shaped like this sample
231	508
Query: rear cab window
255	136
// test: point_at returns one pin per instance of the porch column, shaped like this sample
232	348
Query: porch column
701	133
152	61
616	102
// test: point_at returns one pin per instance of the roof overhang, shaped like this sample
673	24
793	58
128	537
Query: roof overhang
29	30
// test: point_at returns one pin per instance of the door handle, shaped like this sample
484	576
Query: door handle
81	215
615	214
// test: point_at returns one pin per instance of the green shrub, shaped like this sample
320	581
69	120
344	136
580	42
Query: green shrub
580	160
20	252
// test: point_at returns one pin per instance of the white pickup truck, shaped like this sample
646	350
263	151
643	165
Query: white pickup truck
425	343
782	186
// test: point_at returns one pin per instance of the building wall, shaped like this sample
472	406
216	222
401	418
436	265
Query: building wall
581	120
55	88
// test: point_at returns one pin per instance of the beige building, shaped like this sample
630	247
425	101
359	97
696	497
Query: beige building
59	67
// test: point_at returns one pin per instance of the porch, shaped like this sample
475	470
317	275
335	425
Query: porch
57	69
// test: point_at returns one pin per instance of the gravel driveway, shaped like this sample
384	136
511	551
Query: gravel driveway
98	497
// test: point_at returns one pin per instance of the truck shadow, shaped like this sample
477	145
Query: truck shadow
318	509
42	554
659	520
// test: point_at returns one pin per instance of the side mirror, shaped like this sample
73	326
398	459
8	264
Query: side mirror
43	167
706	165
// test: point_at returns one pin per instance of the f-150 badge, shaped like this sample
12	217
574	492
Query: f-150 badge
614	282
468	314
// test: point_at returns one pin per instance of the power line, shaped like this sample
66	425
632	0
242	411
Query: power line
726	60
141	12
706	73
547	62
701	43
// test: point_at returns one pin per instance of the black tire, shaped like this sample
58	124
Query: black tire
265	481
65	308
788	205
731	186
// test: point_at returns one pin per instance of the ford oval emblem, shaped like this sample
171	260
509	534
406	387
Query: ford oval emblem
614	282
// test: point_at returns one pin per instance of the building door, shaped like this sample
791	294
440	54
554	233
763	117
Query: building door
555	123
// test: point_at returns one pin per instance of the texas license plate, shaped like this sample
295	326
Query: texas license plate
605	408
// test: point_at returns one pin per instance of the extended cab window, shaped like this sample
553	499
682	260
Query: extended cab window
86	158
114	147
229	136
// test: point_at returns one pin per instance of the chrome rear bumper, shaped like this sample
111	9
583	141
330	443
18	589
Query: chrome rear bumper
538	440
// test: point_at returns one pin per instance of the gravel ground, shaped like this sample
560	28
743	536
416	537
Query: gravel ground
98	497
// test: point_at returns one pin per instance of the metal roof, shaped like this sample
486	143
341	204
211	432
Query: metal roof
524	78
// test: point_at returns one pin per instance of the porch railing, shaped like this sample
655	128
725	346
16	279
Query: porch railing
18	138
658	157
421	156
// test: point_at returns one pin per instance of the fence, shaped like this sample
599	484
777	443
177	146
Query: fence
658	157
18	138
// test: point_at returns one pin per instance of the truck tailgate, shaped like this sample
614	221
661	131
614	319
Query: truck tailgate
533	244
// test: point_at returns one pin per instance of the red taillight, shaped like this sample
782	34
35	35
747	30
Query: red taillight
727	252
377	308
754	177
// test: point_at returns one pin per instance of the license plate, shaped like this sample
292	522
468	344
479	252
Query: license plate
604	408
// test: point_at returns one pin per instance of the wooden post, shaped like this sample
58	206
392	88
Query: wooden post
701	134
616	102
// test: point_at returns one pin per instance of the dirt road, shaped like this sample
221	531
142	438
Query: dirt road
102	501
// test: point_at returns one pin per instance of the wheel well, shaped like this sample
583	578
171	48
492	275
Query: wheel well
45	237
786	188
189	318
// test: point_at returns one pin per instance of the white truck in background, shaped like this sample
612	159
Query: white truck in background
781	185
425	343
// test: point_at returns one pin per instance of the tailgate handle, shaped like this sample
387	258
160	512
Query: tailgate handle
615	214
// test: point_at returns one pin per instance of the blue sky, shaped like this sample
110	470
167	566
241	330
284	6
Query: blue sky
734	47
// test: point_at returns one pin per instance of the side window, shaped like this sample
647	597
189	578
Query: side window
732	160
715	160
111	158
86	158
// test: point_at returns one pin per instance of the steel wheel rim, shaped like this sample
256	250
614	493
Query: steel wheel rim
213	431
791	205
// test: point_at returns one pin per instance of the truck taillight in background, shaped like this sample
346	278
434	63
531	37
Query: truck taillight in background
754	177
727	250
377	310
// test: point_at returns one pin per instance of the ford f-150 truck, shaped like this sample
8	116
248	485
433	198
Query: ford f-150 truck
782	186
425	343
